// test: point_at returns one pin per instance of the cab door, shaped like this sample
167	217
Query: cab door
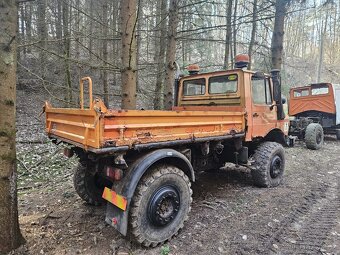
264	116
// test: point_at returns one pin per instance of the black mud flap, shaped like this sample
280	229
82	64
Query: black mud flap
117	218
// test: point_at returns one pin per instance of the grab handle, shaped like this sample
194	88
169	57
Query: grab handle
82	92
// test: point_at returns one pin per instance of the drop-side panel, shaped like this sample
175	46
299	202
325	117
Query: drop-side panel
141	127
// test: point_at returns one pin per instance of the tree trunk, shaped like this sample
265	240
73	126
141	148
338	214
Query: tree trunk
10	237
139	38
42	34
277	38
129	53
171	54
160	57
22	30
235	32
105	53
67	46
253	33
28	24
321	48
58	27
116	43
228	35
90	20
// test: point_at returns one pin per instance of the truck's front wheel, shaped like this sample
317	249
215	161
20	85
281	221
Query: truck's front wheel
160	205
314	136
268	165
88	186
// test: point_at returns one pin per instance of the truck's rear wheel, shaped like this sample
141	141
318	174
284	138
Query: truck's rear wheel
314	136
88	186
268	165
160	205
337	132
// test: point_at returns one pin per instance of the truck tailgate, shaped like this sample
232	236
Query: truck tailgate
76	126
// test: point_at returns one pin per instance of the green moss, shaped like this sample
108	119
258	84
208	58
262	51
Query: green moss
9	157
9	102
7	133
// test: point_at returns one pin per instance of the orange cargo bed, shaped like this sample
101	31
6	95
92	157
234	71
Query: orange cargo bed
99	128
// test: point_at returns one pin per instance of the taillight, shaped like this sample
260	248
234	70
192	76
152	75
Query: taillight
68	152
113	173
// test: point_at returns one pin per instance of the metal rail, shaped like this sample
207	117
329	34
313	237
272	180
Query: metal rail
82	92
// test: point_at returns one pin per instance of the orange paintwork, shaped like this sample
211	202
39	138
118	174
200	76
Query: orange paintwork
98	127
308	102
127	128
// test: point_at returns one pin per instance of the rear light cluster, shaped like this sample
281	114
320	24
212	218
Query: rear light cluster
113	173
68	152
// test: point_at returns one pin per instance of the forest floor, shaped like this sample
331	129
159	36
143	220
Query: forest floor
229	215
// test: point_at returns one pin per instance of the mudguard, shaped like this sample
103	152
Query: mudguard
118	218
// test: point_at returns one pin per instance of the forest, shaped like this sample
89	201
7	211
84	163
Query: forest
61	41
134	51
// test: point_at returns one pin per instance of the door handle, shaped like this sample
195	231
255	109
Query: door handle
255	114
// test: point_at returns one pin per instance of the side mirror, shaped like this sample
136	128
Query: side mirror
276	86
284	100
259	76
277	93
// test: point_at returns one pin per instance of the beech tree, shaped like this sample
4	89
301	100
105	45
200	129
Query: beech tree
10	237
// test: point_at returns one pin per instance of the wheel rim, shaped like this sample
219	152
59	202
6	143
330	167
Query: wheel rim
163	206
276	167
318	137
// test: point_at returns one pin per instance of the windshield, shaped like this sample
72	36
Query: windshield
223	84
320	90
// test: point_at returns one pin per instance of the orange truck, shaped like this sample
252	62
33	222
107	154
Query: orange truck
141	163
315	111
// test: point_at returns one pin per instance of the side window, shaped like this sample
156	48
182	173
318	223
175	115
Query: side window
261	91
194	87
223	84
301	93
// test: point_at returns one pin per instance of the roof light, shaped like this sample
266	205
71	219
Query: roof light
241	61
193	69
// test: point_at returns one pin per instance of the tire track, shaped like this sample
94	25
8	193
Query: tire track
306	229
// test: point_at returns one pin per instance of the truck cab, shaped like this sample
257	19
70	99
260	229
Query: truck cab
314	111
237	90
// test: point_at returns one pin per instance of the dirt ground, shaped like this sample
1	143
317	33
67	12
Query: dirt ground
229	215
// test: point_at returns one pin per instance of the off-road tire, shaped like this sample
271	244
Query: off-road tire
142	229
337	133
268	163
314	136
87	186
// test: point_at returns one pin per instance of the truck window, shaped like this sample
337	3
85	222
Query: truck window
301	93
194	87
320	90
261	91
223	84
